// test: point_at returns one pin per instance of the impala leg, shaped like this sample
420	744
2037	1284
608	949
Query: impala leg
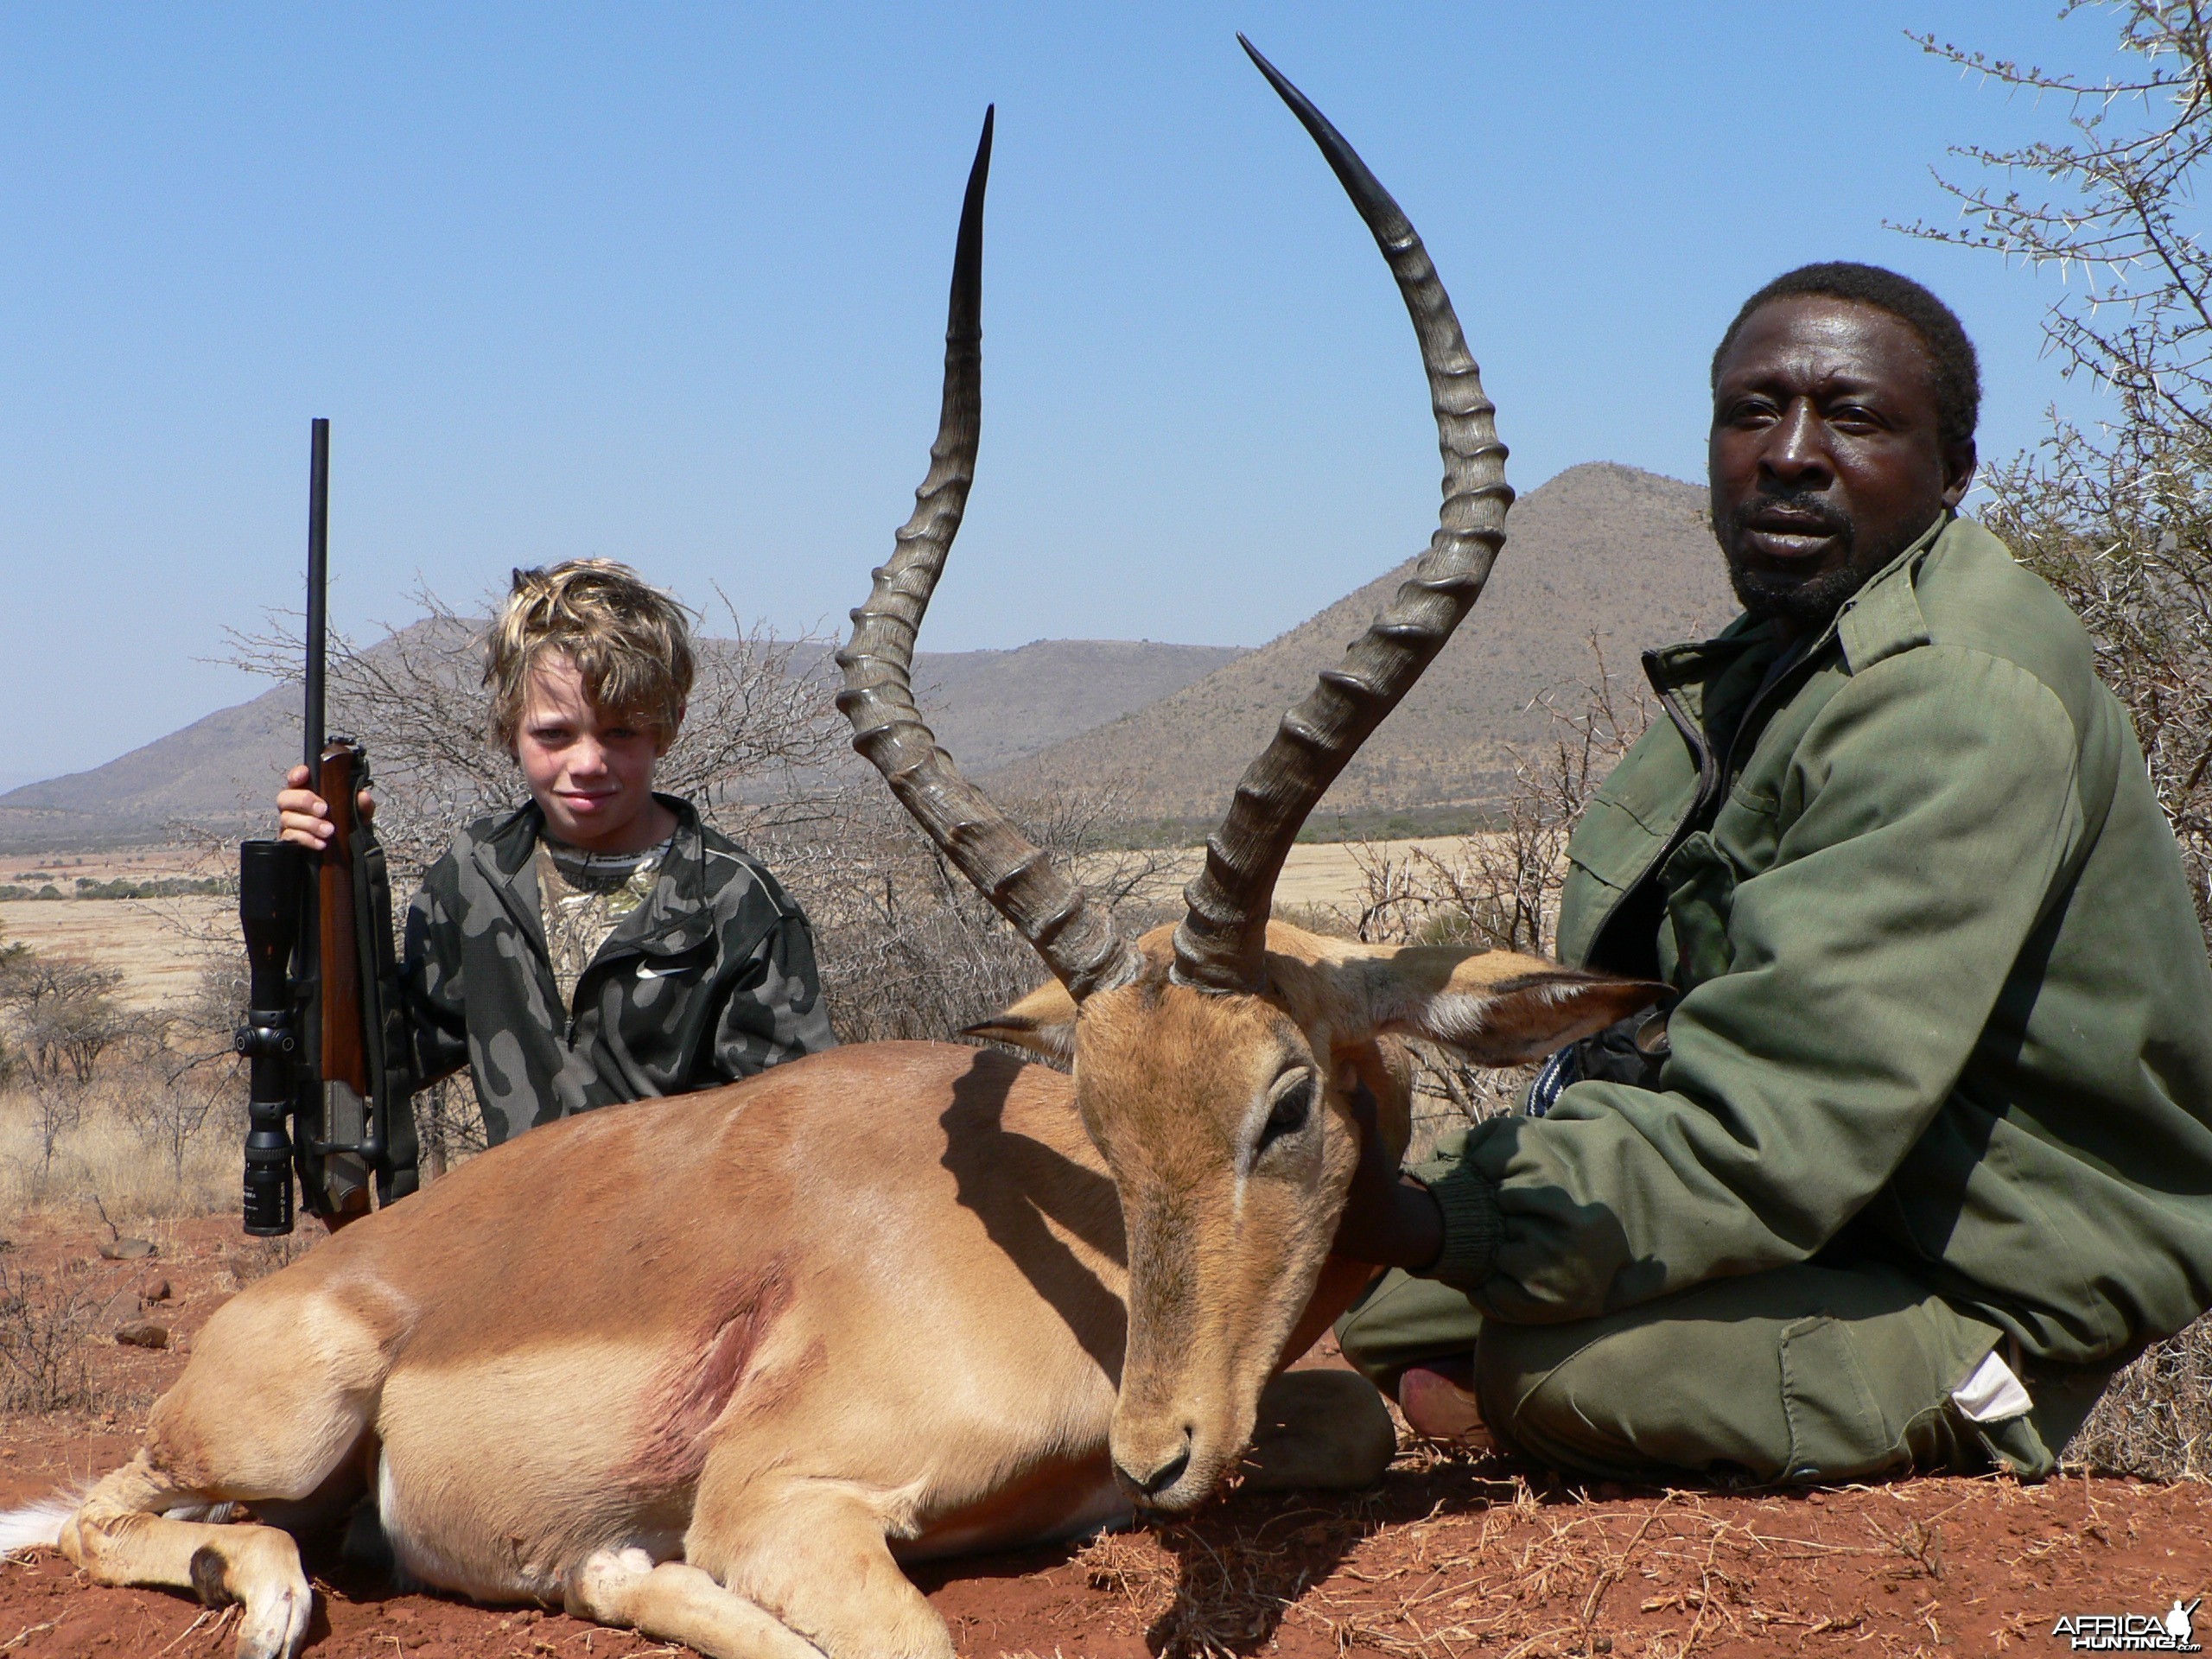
120	1536
1328	1430
672	1602
816	1557
236	1426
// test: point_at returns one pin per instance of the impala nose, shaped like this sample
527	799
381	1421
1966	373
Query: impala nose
1160	1477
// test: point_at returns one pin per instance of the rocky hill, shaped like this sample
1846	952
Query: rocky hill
990	707
1601	549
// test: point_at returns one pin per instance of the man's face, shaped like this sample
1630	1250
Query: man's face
1825	459
590	772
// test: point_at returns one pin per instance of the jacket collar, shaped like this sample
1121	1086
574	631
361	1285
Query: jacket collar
1880	620
676	919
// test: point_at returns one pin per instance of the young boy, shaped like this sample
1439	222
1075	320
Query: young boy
599	943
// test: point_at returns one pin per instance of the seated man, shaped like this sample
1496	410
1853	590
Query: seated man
1924	1148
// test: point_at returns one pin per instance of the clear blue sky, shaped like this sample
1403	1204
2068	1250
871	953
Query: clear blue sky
667	284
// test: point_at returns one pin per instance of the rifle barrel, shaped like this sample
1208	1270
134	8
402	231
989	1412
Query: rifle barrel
318	586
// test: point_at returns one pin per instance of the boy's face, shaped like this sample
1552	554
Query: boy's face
590	772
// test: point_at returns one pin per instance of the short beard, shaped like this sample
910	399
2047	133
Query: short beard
1806	603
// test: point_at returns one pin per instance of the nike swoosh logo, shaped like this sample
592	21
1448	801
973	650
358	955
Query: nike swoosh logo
657	973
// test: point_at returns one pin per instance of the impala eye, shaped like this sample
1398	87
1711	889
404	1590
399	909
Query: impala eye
1288	1114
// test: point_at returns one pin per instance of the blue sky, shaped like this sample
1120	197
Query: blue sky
666	283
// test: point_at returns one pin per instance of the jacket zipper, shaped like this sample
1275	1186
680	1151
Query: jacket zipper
1712	770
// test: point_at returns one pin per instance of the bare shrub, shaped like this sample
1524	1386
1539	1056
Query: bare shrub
2119	517
57	1107
1500	888
170	1112
45	1319
61	1014
907	948
67	1140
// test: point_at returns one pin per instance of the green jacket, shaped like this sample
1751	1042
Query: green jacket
709	980
1945	1003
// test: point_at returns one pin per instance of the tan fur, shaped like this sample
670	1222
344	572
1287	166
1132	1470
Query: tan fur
714	1366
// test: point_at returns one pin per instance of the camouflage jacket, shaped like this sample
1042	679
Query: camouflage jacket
711	979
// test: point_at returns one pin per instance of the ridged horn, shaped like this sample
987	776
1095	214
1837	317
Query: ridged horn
1221	943
1076	938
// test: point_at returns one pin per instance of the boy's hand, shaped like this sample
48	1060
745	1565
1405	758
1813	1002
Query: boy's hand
1388	1217
304	817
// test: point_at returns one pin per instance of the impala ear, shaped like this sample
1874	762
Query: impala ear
1499	1008
1043	1022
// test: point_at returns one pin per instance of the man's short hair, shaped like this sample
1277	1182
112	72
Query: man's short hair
630	645
1950	353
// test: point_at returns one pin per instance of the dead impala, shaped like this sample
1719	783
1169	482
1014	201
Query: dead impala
712	1366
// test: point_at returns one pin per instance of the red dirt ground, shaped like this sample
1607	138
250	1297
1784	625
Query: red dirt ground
1450	1556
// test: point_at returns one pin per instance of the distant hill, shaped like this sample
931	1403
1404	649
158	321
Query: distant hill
990	707
1600	548
204	773
993	707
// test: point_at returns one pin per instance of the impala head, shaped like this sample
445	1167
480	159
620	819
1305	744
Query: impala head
1216	1063
1227	1120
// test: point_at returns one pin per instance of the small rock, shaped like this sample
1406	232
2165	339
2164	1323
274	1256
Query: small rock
153	1288
144	1334
127	1250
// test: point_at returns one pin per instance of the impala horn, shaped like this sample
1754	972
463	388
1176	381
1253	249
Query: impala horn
1076	938
1221	943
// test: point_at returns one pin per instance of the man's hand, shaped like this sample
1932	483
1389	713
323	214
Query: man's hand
1388	1218
303	816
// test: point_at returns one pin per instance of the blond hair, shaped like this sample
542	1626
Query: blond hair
630	645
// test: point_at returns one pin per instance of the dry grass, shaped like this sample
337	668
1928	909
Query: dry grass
2155	1419
1474	1556
132	1138
153	944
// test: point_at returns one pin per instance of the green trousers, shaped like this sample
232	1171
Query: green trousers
1805	1374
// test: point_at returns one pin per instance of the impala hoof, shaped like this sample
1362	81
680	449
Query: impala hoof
275	1624
600	1589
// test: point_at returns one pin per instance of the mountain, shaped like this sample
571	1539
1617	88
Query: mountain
991	706
1601	549
218	771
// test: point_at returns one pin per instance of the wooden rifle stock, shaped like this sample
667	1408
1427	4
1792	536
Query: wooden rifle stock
342	1052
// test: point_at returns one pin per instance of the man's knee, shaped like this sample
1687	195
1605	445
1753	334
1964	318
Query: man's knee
1740	1377
1401	1319
1629	1401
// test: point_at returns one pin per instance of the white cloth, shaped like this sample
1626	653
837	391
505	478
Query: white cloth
1992	1393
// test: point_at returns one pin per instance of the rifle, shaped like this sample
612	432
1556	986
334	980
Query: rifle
323	1030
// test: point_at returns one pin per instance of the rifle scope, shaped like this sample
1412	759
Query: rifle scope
270	885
